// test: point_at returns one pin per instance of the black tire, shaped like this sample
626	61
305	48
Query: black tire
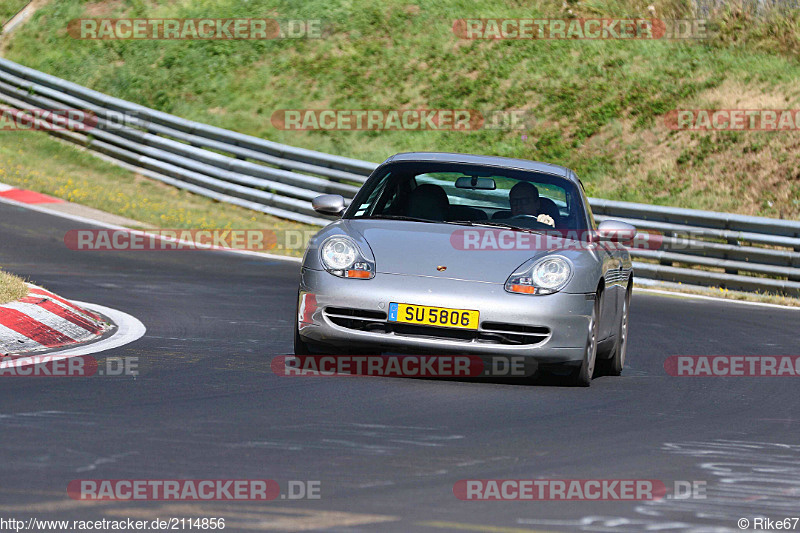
582	376
300	347
614	365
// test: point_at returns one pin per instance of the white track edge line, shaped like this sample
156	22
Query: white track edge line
713	298
85	220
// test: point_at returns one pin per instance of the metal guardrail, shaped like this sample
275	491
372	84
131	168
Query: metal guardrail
699	247
280	179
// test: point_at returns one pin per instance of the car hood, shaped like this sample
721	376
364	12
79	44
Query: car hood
421	249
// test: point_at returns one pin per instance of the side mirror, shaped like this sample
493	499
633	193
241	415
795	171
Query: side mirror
616	231
328	204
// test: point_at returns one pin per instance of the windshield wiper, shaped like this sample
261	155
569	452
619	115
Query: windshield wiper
456	222
397	217
494	224
484	223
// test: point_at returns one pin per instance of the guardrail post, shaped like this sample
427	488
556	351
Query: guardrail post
735	242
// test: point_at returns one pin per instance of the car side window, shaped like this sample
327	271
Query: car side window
371	200
586	205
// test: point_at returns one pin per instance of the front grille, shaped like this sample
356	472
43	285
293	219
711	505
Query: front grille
488	333
360	319
515	333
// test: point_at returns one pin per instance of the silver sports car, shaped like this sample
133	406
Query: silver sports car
454	253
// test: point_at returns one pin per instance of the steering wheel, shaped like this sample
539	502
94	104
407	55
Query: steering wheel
533	218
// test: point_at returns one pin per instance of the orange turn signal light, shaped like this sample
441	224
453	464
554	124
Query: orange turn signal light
524	289
358	273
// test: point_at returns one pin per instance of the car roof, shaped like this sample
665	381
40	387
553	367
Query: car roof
488	160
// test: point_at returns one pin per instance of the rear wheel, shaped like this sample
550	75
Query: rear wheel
614	365
582	376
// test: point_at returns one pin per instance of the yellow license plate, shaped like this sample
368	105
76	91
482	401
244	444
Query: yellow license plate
433	316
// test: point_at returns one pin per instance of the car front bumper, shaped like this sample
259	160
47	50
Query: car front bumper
565	316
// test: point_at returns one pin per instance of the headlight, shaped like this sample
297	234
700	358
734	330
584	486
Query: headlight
341	257
338	253
544	276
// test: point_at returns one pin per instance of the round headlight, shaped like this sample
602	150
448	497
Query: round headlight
551	273
338	253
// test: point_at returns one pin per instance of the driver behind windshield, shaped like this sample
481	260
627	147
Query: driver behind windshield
524	200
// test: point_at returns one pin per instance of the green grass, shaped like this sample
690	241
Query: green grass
9	8
599	105
11	288
36	161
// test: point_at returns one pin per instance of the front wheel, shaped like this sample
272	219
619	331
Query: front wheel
582	376
300	347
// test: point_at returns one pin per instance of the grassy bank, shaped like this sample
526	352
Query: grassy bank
11	288
9	8
39	162
599	106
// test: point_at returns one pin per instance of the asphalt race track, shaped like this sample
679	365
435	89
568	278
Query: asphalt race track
386	452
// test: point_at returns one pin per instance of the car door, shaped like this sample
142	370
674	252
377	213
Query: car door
610	259
611	273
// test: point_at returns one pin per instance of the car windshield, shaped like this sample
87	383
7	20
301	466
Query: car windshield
471	194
